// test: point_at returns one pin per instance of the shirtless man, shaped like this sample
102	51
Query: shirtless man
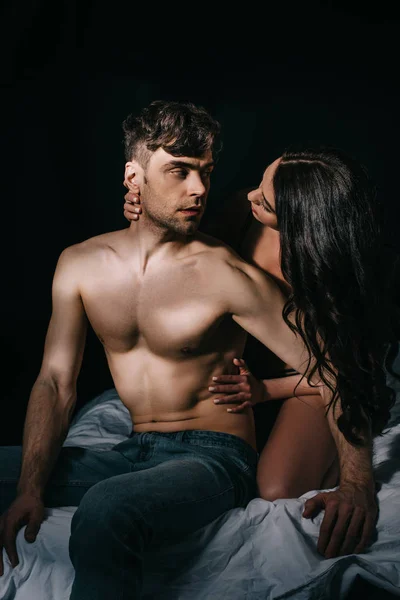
160	297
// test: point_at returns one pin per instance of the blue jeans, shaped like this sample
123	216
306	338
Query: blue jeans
151	489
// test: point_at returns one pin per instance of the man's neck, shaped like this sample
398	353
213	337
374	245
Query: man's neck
150	239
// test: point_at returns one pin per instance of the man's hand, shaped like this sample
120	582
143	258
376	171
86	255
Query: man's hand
25	510
242	389
349	521
132	209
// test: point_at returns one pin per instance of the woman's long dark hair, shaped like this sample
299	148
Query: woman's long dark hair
330	224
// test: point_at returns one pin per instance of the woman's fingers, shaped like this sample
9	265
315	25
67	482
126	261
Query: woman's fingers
239	409
229	379
131	198
236	398
229	388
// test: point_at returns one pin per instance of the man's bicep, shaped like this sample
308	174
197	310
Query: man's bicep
66	334
258	310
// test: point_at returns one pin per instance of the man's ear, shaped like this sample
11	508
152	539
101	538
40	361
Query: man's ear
133	177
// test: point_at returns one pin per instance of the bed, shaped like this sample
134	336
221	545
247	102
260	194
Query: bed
265	551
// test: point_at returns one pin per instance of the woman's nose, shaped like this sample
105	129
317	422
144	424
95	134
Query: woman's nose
253	197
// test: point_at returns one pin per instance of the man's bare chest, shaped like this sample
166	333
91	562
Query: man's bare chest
168	312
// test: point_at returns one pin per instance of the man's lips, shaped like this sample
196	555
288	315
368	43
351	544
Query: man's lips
194	210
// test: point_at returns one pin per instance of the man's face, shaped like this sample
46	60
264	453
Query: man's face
174	190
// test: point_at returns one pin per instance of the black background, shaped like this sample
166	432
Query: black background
70	73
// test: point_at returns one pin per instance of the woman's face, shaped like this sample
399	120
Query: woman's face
263	198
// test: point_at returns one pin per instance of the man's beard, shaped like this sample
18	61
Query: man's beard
173	224
170	223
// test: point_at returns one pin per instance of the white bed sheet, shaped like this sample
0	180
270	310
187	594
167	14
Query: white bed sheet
265	551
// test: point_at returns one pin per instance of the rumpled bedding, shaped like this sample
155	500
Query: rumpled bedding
265	551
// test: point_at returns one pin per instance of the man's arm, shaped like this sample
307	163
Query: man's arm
53	395
51	403
256	303
350	512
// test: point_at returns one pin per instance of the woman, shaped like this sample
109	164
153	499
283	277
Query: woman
314	225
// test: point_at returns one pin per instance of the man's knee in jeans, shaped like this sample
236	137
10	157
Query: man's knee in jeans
103	514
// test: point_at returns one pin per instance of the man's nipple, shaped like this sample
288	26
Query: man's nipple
187	350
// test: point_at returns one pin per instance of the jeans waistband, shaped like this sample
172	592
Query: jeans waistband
206	439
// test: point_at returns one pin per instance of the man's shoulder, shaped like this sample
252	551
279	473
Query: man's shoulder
235	282
219	255
91	247
213	249
79	262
